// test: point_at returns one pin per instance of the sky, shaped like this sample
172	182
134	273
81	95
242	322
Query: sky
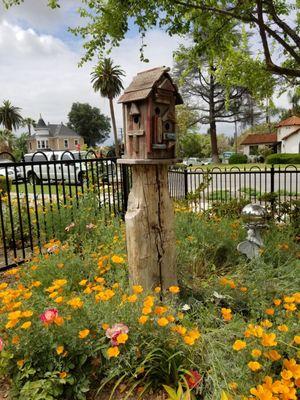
39	61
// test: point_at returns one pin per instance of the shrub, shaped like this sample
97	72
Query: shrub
283	159
238	159
5	185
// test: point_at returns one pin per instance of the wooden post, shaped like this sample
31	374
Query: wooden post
150	228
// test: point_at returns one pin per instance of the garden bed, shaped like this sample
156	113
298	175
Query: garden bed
71	326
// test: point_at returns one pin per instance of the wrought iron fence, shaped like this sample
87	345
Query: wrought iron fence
276	188
34	192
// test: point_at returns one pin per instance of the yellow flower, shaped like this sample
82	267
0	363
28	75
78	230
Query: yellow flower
297	339
157	289
174	289
132	298
26	325
59	299
266	323
189	340
146	310
83	282
268	340
137	289
289	299
233	385
63	375
113	351
59	349
277	302
162	321
160	310
53	295
283	328
105	326
290	306
256	353
273	355
254	366
14	315
239	345
180	329
36	284
3	285
27	314
143	319
243	289
286	374
122	338
15	340
270	311
170	318
76	302
11	324
58	321
20	363
149	301
194	333
87	290
84	333
226	314
117	260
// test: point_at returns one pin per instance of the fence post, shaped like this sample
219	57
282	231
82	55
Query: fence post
272	171
185	177
125	187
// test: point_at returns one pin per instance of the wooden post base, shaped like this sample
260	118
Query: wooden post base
150	228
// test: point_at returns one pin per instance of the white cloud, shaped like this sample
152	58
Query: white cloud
39	73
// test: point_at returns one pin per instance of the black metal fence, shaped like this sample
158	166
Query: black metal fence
276	188
35	193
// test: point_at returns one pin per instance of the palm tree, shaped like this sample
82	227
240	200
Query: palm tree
28	122
10	116
106	79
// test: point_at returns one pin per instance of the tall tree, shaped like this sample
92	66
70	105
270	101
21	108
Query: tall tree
7	140
89	123
10	116
28	123
20	145
106	79
213	102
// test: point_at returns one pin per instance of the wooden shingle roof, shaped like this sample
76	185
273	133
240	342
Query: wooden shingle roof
291	121
143	84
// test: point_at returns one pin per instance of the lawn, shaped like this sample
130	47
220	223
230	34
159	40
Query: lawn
72	328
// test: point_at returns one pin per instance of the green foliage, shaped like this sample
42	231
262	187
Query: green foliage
10	116
5	185
20	147
238	159
194	145
89	123
283	159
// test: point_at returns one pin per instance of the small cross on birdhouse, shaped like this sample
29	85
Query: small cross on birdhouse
149	116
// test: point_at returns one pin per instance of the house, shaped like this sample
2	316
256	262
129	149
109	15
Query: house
53	137
286	139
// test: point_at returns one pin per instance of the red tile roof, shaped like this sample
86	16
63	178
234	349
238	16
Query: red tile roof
290	121
260	138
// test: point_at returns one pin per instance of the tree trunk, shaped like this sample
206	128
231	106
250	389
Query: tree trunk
212	121
149	228
113	120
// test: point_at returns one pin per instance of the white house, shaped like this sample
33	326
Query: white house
286	139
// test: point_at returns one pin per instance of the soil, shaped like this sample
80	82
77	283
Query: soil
4	388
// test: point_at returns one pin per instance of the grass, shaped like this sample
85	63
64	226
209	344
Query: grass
242	166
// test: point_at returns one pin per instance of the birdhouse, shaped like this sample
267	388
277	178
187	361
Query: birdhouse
149	116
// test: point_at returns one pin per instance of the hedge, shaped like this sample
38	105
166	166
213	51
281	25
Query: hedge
283	159
238	159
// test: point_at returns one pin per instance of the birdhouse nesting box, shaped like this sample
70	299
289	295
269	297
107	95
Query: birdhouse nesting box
149	116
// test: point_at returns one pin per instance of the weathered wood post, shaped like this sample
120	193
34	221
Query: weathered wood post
149	132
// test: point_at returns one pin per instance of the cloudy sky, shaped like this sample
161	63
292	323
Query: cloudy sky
39	61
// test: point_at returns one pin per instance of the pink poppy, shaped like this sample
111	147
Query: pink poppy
113	332
1	344
49	315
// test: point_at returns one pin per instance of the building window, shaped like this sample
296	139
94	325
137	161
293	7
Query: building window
76	142
253	150
38	144
30	146
66	143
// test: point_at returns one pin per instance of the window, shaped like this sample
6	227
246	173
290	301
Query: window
39	144
66	143
42	144
253	150
76	142
30	146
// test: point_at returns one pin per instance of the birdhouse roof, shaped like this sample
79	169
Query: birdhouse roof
144	82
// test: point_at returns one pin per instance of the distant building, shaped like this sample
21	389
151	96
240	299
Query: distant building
53	137
286	139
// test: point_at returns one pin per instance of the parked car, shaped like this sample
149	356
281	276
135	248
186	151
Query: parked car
206	161
192	161
62	166
13	173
